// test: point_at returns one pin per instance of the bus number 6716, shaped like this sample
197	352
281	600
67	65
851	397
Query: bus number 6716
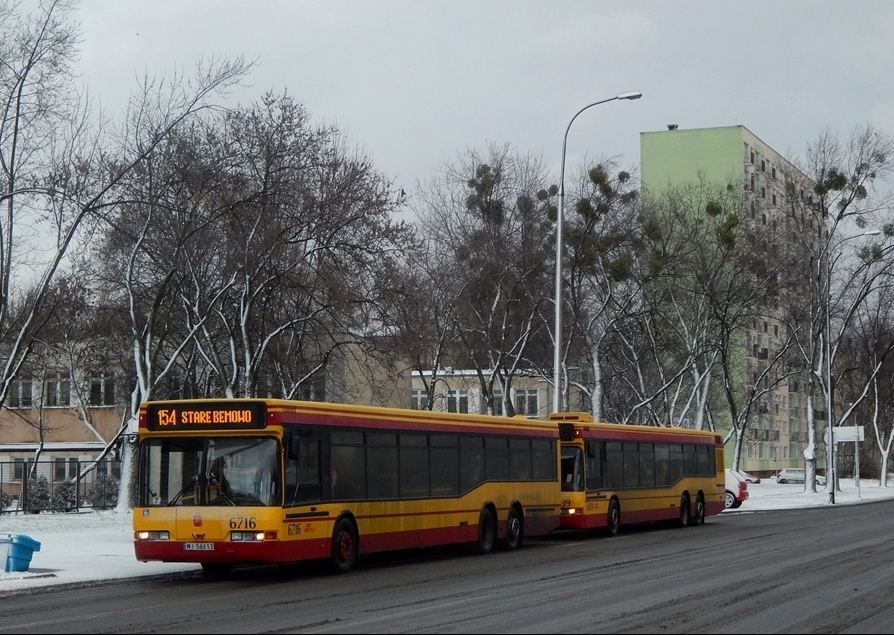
243	522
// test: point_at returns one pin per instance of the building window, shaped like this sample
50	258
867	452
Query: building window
458	400
419	400
57	391
526	402
498	402
102	389
763	166
60	468
18	469
20	394
72	468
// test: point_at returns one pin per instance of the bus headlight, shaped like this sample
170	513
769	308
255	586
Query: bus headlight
153	535
246	536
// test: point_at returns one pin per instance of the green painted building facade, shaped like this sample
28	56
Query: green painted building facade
777	433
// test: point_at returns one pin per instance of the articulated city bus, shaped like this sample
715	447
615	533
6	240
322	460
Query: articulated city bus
224	482
613	474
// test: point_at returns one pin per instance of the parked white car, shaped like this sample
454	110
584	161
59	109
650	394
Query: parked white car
736	489
796	475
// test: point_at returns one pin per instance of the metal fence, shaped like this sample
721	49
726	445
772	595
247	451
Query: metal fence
58	485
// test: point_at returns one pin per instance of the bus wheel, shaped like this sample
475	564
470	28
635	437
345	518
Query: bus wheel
613	525
684	511
513	530
344	546
700	510
487	532
216	569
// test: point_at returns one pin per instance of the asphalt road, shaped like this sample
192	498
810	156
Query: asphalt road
819	570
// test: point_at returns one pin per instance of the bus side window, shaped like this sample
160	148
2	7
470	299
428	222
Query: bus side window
595	451
302	469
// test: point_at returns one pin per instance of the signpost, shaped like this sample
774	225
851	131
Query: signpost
845	434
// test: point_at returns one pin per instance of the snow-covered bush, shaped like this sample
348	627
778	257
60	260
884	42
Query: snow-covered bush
65	497
38	494
104	493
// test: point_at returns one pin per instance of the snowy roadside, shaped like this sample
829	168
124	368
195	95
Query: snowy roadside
98	545
80	547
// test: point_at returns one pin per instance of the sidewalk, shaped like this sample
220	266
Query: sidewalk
79	547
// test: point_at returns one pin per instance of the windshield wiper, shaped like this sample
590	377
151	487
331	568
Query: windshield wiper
221	493
189	486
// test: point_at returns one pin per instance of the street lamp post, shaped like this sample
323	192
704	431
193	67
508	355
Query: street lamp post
557	358
830	447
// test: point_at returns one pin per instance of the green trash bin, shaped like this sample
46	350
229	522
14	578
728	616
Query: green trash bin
19	549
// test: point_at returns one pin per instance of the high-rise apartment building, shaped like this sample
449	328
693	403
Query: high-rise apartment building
776	434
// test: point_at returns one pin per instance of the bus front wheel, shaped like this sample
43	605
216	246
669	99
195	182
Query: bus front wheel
684	511
344	546
613	523
487	532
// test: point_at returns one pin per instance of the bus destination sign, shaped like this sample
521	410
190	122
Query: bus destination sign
220	415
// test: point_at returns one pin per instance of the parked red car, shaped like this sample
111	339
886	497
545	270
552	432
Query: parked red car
736	489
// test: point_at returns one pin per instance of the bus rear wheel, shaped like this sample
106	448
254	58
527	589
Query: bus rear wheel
487	532
700	510
344	546
514	530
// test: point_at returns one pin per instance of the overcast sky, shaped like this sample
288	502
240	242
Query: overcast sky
415	83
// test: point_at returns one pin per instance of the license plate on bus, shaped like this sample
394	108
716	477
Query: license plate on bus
198	546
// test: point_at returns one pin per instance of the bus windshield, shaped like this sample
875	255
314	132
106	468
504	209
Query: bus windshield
572	470
218	471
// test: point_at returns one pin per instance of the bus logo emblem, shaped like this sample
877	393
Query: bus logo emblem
197	521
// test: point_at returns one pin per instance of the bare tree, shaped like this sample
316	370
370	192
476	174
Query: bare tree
710	294
838	204
491	214
424	315
866	369
310	246
603	279
39	112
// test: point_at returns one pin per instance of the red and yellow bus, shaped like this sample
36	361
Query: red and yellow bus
224	482
614	475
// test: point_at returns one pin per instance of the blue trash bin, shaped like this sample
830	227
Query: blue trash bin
19	549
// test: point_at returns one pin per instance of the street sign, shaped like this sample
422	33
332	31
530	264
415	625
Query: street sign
848	433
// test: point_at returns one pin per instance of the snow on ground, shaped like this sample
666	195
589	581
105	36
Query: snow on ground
92	546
